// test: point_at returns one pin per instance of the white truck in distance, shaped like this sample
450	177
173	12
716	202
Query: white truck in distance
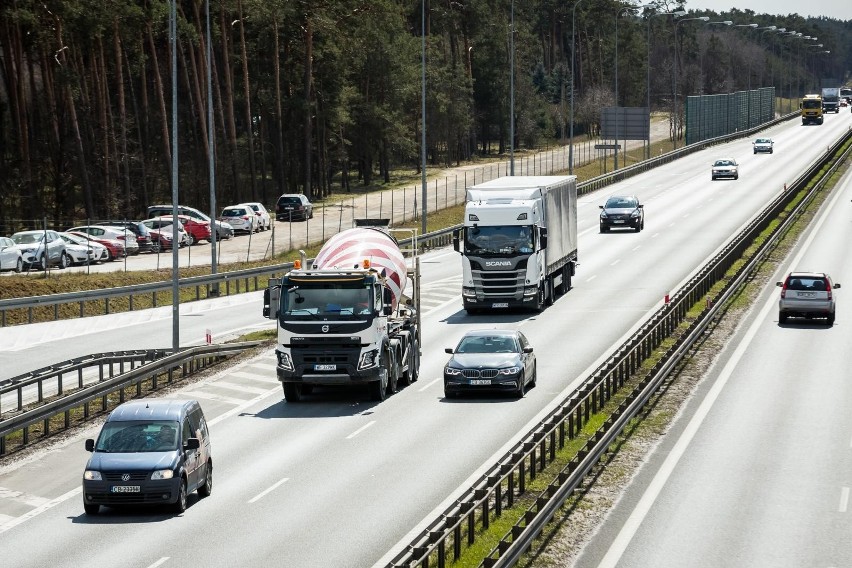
346	320
831	99
518	242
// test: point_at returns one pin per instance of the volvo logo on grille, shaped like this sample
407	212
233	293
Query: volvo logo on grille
325	329
498	263
125	477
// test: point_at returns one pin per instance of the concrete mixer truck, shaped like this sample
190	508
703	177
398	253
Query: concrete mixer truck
350	318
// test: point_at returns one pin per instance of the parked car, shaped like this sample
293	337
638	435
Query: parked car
143	238
123	234
293	206
490	359
725	168
166	224
264	220
11	257
77	253
149	452
240	217
115	248
162	240
100	253
223	229
808	295
195	230
33	244
763	145
622	212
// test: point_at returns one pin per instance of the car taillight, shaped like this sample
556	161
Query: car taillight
784	289
245	218
828	288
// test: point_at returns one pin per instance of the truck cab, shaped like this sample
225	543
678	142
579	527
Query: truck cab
811	108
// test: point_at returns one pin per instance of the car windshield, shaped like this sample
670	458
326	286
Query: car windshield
27	238
806	283
723	163
620	203
499	240
134	436
763	141
487	344
327	300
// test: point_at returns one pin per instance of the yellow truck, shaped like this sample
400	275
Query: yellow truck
811	106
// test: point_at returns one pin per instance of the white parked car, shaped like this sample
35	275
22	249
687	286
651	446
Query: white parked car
32	247
240	217
264	220
10	255
79	247
123	234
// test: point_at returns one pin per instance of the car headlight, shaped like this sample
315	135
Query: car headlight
90	475
603	214
635	213
452	371
284	361
369	359
509	371
162	474
29	250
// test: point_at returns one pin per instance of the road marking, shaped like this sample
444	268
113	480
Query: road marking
254	376
616	261
430	384
592	277
441	306
268	490
21	497
637	247
655	235
212	396
236	387
41	509
361	429
159	562
243	406
844	500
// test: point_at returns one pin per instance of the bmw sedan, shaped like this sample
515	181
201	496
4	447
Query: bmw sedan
490	360
622	212
725	168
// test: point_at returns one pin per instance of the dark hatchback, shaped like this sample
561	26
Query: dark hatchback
490	360
622	212
293	206
149	452
143	235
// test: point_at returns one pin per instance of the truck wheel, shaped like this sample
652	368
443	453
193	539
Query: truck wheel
550	290
410	374
393	374
292	392
540	299
378	390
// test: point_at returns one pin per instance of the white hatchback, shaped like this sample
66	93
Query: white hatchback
240	217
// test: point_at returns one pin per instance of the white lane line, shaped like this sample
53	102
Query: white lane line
235	387
243	406
592	277
361	429
268	490
631	526
617	260
655	235
844	500
38	510
212	396
637	247
441	306
159	562
430	384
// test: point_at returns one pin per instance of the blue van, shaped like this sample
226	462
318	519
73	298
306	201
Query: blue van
149	452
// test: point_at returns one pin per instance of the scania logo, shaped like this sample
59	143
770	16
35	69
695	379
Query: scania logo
498	263
325	329
125	477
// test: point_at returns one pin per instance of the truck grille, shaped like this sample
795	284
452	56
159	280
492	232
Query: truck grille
500	283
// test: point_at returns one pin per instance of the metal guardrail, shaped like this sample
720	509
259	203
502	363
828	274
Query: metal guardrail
505	481
250	279
185	361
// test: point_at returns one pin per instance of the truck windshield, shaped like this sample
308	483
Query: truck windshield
811	104
327	300
500	241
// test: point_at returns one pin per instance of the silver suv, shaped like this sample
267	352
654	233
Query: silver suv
808	295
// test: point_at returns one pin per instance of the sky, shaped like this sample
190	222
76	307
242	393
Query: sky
839	9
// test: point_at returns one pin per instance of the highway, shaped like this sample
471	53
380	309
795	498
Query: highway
340	481
756	471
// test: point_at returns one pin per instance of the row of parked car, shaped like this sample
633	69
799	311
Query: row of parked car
109	240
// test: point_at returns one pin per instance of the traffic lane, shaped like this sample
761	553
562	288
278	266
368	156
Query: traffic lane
757	468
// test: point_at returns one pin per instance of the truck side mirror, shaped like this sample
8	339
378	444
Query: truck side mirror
542	237
387	300
457	239
271	297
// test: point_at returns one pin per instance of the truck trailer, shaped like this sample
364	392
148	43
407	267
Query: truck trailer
518	242
352	317
831	99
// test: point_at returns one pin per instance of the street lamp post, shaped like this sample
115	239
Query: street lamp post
701	135
676	117
752	26
512	93
676	14
571	118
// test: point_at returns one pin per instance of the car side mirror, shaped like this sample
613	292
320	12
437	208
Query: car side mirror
448	350
600	206
191	444
528	349
90	445
779	284
837	285
641	206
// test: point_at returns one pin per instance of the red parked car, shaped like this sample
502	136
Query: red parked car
196	230
114	247
160	240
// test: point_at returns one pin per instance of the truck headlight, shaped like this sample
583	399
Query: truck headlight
162	474
369	359
284	361
468	292
530	290
90	475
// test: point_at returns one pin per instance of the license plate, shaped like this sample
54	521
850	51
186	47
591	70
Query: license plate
618	221
325	367
500	305
807	294
480	381
126	489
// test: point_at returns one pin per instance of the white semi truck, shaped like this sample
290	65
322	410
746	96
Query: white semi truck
352	317
518	242
831	99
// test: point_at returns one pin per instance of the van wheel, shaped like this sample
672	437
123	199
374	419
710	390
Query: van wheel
206	489
91	509
292	392
180	505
